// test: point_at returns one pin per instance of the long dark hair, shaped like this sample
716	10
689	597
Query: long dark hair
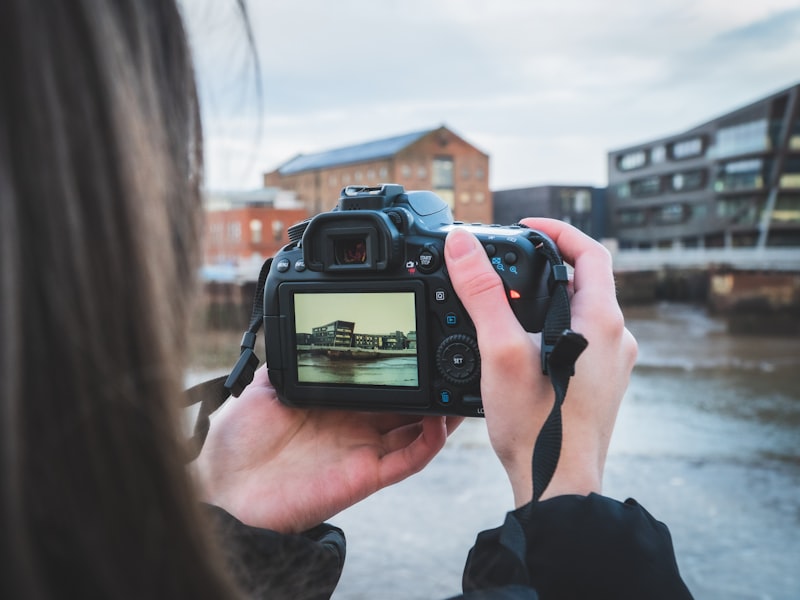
100	157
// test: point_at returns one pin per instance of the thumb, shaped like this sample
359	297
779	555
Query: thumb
477	284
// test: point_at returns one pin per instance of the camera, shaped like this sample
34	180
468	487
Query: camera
359	311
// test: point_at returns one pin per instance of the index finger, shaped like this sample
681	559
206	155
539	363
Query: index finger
592	261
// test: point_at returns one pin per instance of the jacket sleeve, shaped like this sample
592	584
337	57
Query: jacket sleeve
577	547
268	564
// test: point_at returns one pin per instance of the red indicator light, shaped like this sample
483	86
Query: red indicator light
514	295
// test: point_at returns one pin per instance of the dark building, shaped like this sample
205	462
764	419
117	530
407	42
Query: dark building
337	333
731	182
582	206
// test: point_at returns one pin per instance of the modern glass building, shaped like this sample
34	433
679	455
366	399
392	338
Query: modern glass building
731	182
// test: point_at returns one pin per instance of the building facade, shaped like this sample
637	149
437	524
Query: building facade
434	159
582	206
731	182
248	227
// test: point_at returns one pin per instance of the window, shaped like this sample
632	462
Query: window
422	172
740	175
687	148
658	154
631	218
277	230
443	173
649	186
479	173
255	231
632	160
741	211
234	231
671	213
575	201
480	197
463	197
787	210
745	138
383	173
406	171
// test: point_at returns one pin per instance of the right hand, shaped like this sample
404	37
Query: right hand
517	397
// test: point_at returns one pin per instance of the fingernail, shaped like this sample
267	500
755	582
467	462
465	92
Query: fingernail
460	243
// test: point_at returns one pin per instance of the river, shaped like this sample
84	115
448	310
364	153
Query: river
708	440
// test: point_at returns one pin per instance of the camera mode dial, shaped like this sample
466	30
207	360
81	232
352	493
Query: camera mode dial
458	359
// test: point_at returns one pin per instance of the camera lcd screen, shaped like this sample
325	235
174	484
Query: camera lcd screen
356	338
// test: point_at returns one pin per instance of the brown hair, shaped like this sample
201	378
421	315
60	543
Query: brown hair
100	156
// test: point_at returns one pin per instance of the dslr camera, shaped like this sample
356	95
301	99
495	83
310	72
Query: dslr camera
359	312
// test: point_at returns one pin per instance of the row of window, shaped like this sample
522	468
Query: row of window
656	184
680	150
442	172
231	232
753	137
734	176
734	211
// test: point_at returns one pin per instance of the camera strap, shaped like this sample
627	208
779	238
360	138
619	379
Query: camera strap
212	394
560	349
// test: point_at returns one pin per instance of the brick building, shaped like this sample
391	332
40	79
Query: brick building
434	159
244	228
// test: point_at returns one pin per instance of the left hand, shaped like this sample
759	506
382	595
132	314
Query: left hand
289	469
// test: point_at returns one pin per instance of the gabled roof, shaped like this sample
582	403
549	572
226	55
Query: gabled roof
367	151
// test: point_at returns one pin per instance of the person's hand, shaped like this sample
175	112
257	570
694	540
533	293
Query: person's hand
517	397
289	469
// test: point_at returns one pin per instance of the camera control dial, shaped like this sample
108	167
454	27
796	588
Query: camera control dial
458	359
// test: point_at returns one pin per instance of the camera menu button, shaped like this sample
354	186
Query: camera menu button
283	265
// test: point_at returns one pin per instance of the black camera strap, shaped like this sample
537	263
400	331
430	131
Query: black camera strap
212	394
561	348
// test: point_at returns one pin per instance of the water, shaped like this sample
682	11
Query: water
708	440
397	371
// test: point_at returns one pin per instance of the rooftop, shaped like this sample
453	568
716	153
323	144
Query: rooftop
366	151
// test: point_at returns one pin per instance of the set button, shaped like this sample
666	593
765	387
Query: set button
458	360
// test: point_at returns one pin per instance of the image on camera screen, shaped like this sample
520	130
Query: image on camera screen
356	338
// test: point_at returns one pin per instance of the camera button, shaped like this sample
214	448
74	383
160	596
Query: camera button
511	258
300	266
283	265
440	295
451	319
491	250
445	397
428	260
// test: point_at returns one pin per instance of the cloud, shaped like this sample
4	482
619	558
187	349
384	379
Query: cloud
545	89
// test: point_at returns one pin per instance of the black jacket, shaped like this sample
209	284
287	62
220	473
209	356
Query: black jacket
563	548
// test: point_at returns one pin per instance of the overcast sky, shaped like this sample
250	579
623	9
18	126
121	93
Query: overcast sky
545	88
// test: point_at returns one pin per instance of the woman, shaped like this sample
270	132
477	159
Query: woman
100	170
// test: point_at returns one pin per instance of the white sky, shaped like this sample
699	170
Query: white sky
374	313
545	88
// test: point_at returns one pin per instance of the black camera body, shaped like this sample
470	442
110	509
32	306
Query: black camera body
359	312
